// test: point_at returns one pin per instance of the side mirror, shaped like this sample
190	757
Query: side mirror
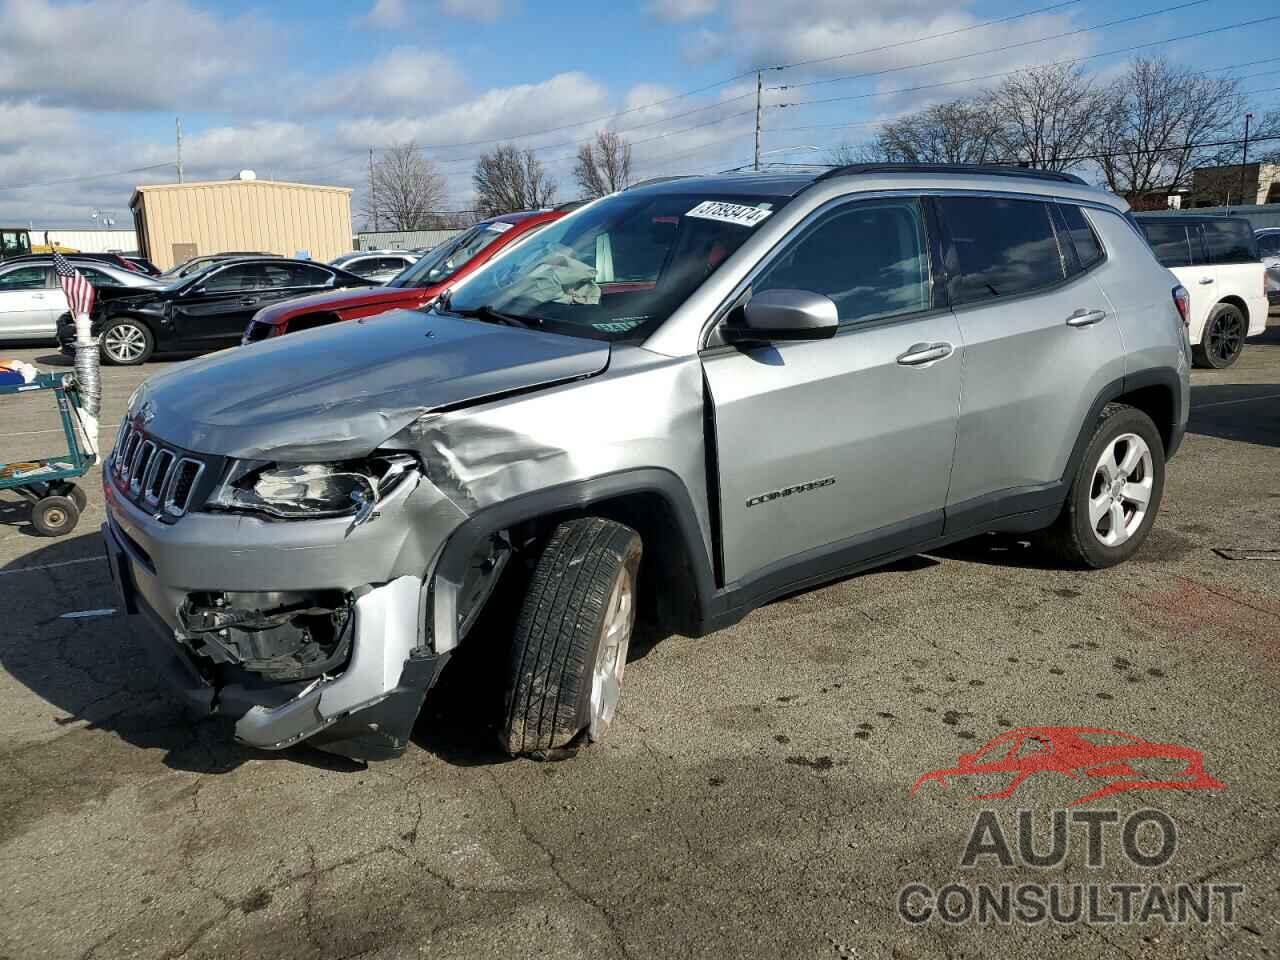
777	315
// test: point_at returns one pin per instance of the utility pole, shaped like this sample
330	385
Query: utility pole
373	193
759	91
1244	158
177	122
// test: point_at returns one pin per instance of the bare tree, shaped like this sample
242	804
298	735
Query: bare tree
1048	116
405	189
1158	124
604	165
960	131
844	154
511	179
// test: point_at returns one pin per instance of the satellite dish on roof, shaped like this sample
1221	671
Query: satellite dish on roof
248	175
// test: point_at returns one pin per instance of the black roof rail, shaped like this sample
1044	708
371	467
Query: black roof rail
983	169
652	180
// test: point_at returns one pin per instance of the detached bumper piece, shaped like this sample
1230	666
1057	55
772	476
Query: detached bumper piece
342	670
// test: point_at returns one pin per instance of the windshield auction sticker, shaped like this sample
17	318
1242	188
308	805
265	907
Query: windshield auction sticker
1014	866
735	213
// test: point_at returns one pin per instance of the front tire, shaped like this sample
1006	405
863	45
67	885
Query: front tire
1223	339
571	638
1115	493
126	342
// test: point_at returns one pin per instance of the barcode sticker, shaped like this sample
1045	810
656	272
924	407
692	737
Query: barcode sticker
735	213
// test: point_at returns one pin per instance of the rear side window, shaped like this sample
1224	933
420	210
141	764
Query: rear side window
1004	247
1229	241
1169	241
1088	249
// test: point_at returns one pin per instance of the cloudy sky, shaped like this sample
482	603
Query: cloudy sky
89	89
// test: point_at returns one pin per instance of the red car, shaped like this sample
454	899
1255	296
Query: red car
416	287
1091	753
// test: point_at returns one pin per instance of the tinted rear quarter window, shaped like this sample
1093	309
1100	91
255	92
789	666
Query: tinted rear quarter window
1088	249
1227	241
1004	247
1169	241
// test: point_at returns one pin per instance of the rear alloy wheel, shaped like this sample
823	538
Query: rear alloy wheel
1115	493
572	637
126	342
1223	339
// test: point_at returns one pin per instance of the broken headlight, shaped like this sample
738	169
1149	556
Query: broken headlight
297	491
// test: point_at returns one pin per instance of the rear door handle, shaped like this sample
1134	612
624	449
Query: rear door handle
248	301
1204	280
1083	318
919	353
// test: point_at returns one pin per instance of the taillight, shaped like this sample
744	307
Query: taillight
1182	300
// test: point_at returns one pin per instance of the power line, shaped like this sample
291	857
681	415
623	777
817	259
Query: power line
1000	49
95	176
1008	73
935	36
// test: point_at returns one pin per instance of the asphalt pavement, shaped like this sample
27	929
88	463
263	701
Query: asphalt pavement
754	796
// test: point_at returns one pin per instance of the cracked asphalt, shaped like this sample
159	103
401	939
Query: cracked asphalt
753	798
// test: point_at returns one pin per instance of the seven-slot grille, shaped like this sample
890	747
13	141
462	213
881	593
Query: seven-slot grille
153	476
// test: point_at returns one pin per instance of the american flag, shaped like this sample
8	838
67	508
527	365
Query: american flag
79	291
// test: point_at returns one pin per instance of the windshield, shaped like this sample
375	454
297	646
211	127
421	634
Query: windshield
180	280
619	268
451	256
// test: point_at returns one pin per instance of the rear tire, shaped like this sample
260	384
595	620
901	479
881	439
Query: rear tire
1222	341
571	638
126	342
1115	493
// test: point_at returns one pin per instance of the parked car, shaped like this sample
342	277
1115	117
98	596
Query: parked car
143	264
77	257
203	311
32	301
680	402
1216	258
416	287
1268	239
376	265
196	264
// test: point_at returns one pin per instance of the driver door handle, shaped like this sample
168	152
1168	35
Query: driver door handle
1204	280
248	301
1084	318
919	353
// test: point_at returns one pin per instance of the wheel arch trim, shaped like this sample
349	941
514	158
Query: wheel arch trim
450	570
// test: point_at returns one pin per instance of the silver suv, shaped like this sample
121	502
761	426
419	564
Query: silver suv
678	402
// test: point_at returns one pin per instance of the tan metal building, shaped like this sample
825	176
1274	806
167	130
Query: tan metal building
177	221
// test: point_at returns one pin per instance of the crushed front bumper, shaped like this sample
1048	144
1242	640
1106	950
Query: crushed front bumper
365	710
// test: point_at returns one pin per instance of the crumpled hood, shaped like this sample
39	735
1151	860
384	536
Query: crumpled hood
371	296
337	392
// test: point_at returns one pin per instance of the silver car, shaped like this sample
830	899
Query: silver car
31	298
377	265
679	402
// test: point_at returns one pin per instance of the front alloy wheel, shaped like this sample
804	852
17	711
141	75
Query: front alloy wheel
126	343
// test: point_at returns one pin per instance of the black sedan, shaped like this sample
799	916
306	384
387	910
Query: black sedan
203	311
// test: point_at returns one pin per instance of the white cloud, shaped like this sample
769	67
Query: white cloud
486	11
675	11
386	14
123	54
405	77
